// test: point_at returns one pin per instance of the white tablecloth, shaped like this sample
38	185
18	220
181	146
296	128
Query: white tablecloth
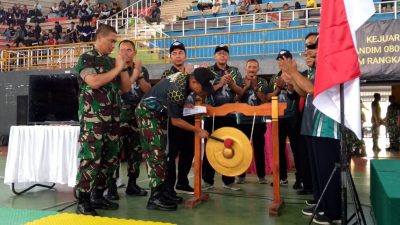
42	154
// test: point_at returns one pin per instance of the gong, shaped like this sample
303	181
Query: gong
229	151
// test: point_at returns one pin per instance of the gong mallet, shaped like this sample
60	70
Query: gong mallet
228	151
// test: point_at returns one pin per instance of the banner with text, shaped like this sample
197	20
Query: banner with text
378	47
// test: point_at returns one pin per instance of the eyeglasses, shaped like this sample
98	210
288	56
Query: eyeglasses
311	46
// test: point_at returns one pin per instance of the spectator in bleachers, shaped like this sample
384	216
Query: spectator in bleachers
84	2
204	5
52	14
9	32
51	40
297	5
55	8
9	17
216	6
386	5
72	15
93	21
244	8
37	6
84	14
62	4
37	32
25	10
115	8
231	8
19	36
86	33
57	30
311	4
105	12
2	15
285	6
45	36
72	33
62	11
155	14
257	9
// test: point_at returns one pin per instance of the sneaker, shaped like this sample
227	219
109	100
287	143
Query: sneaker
321	219
240	180
206	186
262	180
310	211
311	202
297	185
284	182
231	187
184	188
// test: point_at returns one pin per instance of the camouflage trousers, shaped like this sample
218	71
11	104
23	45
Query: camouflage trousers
394	134
353	144
130	140
375	135
98	155
153	138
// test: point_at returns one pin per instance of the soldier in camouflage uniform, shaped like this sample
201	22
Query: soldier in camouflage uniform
179	141
100	80
391	124
166	99
227	85
376	121
129	134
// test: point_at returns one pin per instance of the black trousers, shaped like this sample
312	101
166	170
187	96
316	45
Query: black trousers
258	145
180	142
327	154
208	171
303	157
313	170
287	128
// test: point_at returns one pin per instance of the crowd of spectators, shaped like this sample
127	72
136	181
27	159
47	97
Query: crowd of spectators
19	15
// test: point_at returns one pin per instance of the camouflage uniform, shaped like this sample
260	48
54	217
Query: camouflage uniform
375	124
129	133
164	100
392	129
353	144
99	124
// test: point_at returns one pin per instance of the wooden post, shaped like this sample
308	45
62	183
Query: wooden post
276	206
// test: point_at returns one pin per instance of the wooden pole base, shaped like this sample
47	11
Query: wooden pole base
276	208
192	202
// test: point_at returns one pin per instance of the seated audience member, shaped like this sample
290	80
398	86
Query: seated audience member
204	5
51	40
216	6
231	8
270	7
257	9
155	14
311	4
285	6
243	9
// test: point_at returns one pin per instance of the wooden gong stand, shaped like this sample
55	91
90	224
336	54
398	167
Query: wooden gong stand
273	109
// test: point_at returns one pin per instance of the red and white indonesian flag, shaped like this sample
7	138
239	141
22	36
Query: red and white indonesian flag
337	60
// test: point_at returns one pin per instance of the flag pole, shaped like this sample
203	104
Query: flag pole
343	158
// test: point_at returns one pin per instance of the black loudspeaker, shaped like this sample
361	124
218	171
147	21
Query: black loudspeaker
22	110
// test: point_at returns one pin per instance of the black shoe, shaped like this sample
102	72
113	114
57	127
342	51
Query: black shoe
158	202
310	211
311	202
112	192
297	185
134	189
99	202
184	188
322	219
170	195
86	208
304	192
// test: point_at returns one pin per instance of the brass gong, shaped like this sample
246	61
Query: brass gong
232	154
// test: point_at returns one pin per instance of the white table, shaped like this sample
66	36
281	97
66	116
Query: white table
39	154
